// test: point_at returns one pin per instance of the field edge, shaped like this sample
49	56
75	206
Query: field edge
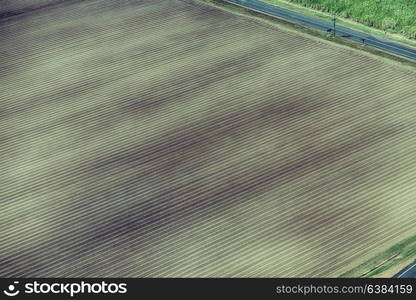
320	35
307	10
385	264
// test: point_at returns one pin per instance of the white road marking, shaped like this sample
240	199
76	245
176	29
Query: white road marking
411	267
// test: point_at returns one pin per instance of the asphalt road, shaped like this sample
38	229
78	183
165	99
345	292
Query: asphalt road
408	272
286	14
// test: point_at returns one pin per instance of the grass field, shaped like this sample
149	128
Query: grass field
388	263
390	15
170	138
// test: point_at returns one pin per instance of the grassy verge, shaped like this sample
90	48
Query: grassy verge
396	16
379	266
271	20
347	22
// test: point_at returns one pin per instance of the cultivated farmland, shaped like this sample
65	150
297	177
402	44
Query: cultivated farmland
171	138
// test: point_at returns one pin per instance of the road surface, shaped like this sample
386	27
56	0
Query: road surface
286	14
408	272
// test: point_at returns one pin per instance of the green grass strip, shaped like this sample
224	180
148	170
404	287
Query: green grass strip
385	260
